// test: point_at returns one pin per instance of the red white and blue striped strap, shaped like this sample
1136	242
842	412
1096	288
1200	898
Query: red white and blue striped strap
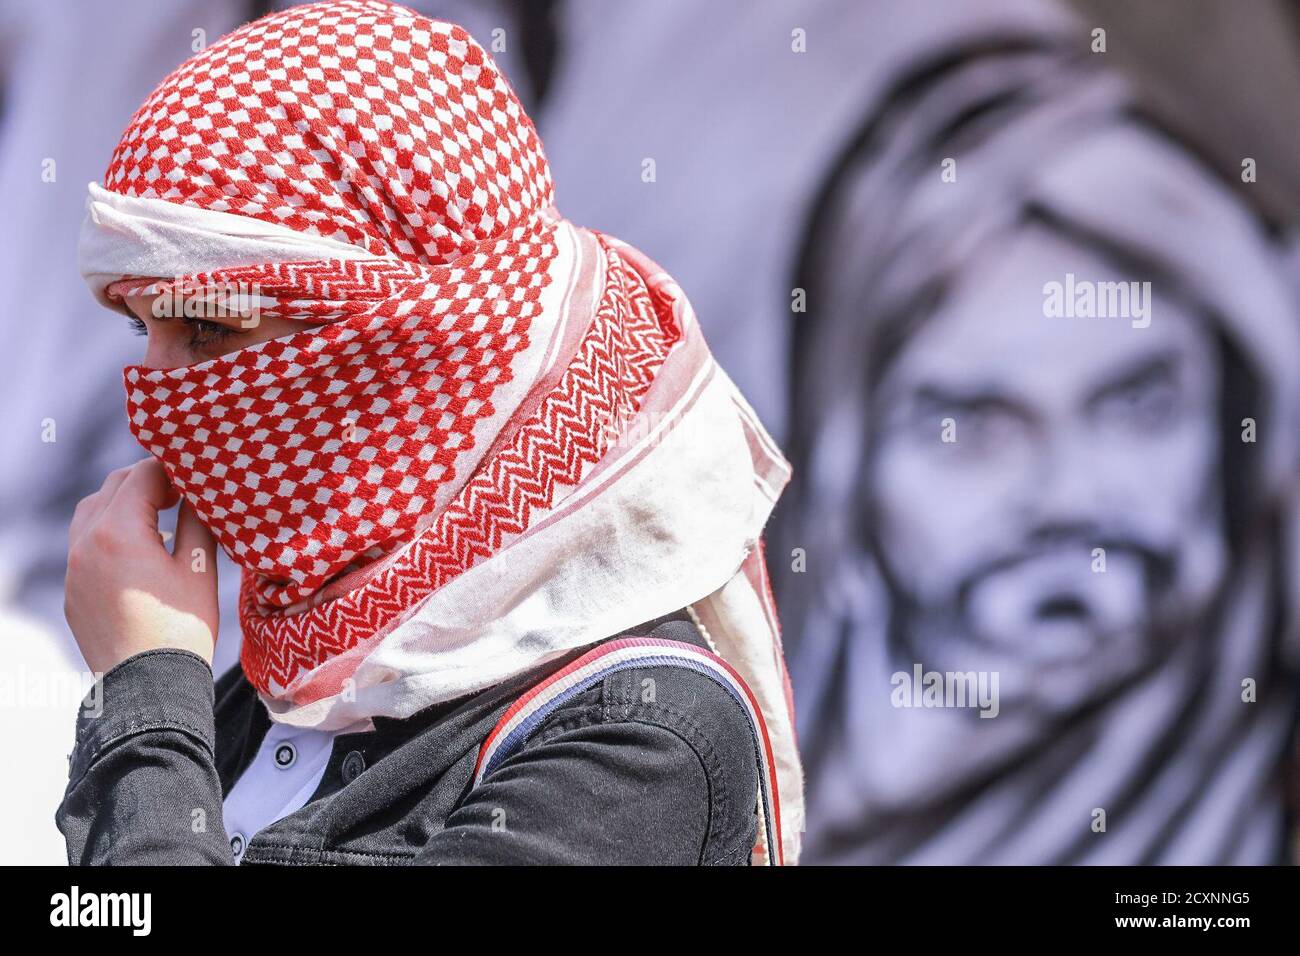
527	713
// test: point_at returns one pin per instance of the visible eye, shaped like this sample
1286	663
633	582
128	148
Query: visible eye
137	326
205	334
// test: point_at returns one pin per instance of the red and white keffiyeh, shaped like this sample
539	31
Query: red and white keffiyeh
498	437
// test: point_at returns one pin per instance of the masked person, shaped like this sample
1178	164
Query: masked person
1046	421
497	510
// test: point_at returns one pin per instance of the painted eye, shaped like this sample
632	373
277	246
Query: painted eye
1142	406
987	426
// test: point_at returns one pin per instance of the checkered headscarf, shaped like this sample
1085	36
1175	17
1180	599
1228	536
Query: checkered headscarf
359	123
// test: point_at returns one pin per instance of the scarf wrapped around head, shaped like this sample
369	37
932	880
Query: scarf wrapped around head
498	436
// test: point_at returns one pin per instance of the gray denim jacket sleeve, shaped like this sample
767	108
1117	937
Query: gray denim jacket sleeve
142	784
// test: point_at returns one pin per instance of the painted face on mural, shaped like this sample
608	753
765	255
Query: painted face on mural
1049	483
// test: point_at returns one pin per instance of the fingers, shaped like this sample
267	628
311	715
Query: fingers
113	482
192	536
92	506
129	499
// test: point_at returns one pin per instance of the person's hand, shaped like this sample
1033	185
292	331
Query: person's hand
125	593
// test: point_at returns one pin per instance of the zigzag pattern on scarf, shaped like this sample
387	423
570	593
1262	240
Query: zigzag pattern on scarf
331	289
600	390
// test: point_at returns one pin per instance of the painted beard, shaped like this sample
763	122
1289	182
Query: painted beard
1064	619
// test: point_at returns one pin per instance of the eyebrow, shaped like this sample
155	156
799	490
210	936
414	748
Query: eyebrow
1142	370
931	394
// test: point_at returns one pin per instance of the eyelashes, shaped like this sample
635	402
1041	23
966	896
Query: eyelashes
203	333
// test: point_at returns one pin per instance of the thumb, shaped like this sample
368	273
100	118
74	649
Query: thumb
192	535
143	492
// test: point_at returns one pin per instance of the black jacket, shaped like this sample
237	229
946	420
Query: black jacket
607	778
